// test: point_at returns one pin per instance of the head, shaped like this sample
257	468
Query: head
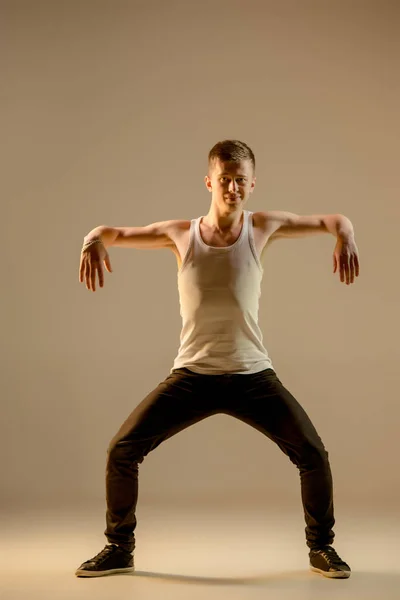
231	174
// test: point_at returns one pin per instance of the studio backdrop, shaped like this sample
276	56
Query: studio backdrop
109	110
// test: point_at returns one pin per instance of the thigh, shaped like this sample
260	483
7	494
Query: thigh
179	401
262	401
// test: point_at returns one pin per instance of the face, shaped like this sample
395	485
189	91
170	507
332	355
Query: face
231	183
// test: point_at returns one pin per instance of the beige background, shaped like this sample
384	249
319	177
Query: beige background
108	112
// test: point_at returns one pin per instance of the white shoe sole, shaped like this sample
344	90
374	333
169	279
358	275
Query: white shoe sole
83	573
332	574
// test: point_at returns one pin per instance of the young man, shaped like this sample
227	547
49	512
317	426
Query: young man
222	365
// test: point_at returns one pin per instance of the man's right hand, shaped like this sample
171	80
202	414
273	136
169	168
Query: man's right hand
92	258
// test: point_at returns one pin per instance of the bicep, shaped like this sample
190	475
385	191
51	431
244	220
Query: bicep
287	224
155	235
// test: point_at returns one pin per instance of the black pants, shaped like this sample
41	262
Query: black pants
185	398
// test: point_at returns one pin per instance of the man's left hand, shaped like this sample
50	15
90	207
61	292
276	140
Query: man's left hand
345	258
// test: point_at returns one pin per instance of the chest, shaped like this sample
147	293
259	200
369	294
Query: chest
219	240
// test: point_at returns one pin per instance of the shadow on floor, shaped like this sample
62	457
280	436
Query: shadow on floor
370	580
251	580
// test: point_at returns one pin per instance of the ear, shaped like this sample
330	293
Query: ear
207	181
253	183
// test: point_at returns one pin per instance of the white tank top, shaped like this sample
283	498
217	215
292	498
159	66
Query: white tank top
219	292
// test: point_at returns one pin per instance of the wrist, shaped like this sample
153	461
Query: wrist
91	242
344	229
107	235
97	234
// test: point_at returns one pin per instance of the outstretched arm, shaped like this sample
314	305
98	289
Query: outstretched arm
345	256
155	235
94	253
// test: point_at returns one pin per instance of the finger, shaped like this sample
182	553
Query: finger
357	265
335	263
352	269
341	271
347	272
100	273
85	273
81	269
107	263
93	277
88	274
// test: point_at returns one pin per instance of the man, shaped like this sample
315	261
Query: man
222	365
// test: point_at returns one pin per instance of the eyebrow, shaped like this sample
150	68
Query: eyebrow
238	174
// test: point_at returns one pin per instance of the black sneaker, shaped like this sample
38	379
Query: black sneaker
112	559
326	562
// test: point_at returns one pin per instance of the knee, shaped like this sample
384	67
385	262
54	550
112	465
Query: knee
124	451
314	455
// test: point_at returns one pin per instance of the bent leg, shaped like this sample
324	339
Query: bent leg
179	401
261	401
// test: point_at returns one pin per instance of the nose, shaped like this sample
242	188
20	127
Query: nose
233	186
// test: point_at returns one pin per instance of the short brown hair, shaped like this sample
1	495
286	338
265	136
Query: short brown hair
231	150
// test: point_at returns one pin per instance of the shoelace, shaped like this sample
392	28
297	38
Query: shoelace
331	556
102	555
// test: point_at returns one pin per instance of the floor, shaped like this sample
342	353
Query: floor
196	553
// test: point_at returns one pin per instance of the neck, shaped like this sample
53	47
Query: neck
222	221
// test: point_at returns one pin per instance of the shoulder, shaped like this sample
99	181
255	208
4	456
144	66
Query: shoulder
268	221
177	225
273	224
176	230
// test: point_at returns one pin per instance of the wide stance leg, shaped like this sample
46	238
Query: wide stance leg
181	400
262	401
